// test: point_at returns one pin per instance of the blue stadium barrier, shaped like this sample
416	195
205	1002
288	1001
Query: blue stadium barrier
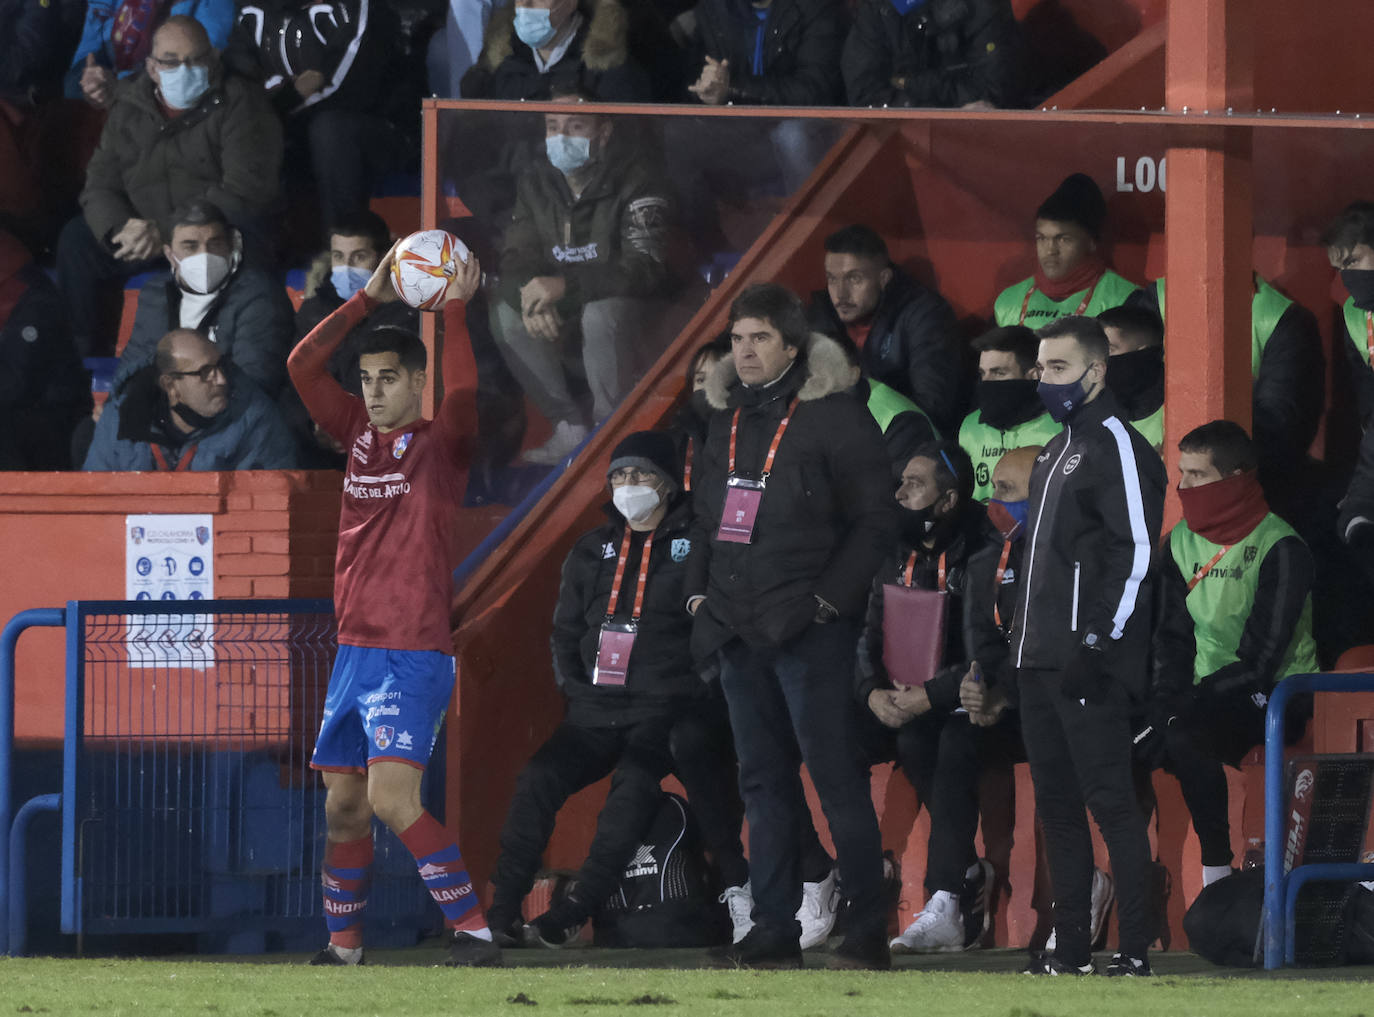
1281	888
187	805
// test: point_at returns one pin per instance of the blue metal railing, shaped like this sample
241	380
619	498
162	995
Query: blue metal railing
1280	888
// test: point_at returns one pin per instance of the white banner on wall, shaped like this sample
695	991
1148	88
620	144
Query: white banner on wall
169	557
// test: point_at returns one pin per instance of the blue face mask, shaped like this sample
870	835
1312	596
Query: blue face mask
534	27
1009	517
568	153
1061	400
183	86
348	280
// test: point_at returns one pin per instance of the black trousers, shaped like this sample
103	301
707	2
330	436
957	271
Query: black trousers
573	758
1080	754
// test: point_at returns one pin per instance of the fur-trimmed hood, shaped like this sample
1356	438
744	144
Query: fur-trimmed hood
605	45
827	372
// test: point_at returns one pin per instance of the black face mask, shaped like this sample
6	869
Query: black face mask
1360	283
914	524
196	420
1129	375
699	405
1003	404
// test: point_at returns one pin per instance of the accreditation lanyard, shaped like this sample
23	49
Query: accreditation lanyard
687	466
1081	307
1369	335
939	572
184	463
1197	576
618	638
743	496
997	588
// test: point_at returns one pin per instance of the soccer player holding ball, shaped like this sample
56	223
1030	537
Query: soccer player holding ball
394	672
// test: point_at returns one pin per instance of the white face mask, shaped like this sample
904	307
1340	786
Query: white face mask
203	272
636	502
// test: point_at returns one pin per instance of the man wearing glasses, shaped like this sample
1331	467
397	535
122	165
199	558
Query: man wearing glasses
184	129
190	410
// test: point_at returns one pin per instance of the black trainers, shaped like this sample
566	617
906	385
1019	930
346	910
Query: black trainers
507	930
553	933
1048	964
468	951
1125	966
763	947
866	951
331	956
975	903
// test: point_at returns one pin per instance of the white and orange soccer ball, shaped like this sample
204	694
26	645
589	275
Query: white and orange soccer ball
425	264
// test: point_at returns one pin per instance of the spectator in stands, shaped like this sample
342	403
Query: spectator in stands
942	527
1070	275
1233	618
905	425
1080	641
1135	372
587	254
190	410
621	660
907	333
32	39
777	585
334	75
117	40
184	130
947	53
1008	413
1349	243
241	309
537	49
44	390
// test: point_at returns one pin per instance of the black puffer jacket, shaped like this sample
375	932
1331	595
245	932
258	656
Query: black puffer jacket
801	50
944	53
827	517
985	601
913	346
971	533
659	675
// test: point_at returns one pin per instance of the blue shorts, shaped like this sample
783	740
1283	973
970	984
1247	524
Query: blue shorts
383	704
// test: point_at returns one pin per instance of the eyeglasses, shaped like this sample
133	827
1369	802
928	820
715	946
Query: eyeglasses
206	373
171	64
630	475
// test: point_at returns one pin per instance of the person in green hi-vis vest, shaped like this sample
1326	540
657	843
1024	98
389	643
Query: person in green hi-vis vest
1349	243
1009	413
1070	275
1233	618
905	425
1135	370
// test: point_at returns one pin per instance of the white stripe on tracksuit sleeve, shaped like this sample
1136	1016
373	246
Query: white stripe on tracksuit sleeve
1135	512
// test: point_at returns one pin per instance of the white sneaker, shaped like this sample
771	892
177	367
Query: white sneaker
739	901
817	911
939	928
566	437
1103	893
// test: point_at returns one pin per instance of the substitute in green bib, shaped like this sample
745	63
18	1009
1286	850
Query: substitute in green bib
1349	243
1009	411
1070	275
905	426
1135	370
1233	618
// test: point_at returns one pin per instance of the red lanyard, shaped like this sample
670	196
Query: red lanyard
1197	576
614	602
184	463
777	438
939	572
1001	574
1369	335
687	466
1081	307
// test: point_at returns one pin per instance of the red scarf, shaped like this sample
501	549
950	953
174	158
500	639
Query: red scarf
1089	270
1225	510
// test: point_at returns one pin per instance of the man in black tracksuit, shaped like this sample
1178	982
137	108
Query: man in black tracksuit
785	544
611	727
1081	638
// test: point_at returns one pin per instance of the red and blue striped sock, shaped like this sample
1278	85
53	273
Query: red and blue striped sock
346	876
445	874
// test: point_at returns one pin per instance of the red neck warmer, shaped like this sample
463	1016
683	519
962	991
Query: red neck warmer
1087	273
1225	510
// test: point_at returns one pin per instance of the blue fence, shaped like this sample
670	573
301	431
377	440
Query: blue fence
187	804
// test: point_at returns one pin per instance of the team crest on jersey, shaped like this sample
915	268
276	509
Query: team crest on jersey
681	548
384	735
1073	462
1251	553
402	443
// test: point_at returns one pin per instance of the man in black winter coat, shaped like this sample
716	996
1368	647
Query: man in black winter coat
620	658
907	333
794	513
946	53
1081	637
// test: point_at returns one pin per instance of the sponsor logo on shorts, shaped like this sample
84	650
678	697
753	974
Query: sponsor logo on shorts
404	741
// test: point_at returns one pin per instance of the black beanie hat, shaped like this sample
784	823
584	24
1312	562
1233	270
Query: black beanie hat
647	450
1078	199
